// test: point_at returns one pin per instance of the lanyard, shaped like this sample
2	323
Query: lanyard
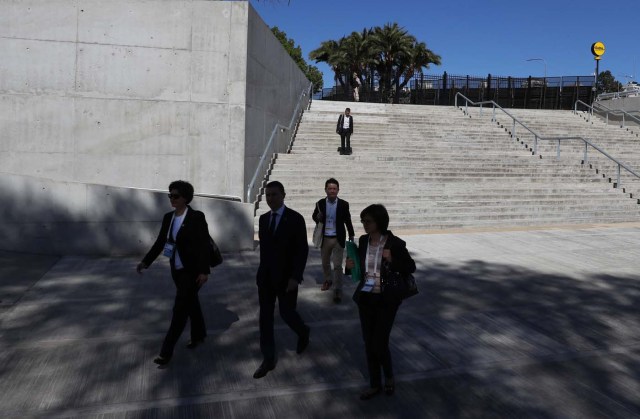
173	217
381	244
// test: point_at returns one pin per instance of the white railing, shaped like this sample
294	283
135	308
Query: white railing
270	148
606	111
537	137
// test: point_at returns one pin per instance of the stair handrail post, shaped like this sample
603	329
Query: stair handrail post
535	144
586	148
513	129
558	151
270	143
618	181
622	121
493	117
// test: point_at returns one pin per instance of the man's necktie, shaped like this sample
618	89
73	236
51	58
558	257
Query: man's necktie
272	226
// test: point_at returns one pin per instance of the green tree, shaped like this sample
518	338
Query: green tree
332	53
313	74
608	83
389	53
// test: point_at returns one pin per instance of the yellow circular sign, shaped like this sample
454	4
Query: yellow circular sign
597	49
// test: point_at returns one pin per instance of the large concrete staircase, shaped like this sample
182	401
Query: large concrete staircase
436	168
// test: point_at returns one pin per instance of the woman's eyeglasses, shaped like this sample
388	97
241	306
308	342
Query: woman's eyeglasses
365	221
173	196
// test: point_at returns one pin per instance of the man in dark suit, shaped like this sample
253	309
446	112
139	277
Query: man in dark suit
345	128
334	214
184	239
283	257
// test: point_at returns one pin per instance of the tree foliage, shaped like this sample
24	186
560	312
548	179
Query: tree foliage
313	74
608	83
388	54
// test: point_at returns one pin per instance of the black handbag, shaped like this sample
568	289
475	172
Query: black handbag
215	257
401	286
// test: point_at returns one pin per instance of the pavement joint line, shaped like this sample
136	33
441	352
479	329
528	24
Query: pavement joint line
252	394
245	325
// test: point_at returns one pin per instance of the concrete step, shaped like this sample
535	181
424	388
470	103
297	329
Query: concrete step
437	168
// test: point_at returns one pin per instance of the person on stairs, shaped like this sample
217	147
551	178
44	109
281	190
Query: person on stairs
345	128
334	214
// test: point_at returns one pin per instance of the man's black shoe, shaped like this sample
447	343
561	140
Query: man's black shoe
161	360
303	342
337	296
263	369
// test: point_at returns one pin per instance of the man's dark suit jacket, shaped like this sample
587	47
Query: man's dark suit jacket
340	123
283	256
343	216
192	242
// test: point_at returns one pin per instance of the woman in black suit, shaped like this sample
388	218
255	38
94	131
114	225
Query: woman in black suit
380	252
184	239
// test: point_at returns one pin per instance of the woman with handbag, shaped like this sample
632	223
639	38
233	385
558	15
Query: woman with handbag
383	259
184	239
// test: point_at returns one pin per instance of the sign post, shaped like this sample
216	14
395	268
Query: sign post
597	49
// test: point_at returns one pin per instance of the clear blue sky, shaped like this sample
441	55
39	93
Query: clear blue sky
478	37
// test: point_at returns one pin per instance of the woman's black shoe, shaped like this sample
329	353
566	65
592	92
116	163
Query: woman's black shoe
370	393
160	360
389	386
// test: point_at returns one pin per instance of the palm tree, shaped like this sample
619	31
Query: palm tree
421	57
332	53
392	45
357	53
389	52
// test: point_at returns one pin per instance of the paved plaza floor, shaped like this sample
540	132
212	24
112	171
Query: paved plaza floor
508	324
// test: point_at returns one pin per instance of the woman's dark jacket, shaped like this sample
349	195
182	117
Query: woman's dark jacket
401	262
192	242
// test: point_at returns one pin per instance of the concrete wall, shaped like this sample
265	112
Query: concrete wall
138	92
630	105
274	85
134	94
55	217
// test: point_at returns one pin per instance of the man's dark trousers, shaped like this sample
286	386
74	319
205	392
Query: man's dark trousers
287	303
345	140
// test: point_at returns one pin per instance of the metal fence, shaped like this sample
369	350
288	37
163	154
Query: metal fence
508	92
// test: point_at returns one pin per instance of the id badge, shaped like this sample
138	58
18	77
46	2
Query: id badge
368	285
169	248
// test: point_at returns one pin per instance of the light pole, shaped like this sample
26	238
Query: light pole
545	64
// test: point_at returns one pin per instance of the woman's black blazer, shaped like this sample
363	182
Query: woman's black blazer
401	262
192	242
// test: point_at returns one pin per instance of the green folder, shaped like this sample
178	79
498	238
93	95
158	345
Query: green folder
352	253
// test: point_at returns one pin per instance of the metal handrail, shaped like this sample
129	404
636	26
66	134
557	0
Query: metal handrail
537	136
609	110
294	118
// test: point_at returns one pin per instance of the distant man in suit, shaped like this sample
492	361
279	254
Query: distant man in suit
283	256
345	128
334	214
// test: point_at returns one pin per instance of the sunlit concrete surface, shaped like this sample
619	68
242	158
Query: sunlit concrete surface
508	324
